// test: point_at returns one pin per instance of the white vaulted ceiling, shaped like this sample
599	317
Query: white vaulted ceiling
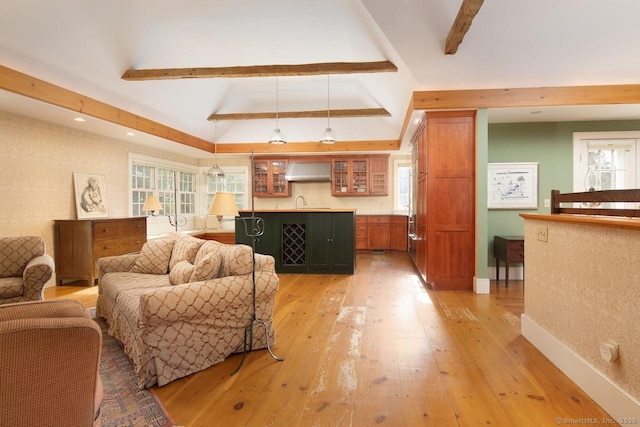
86	46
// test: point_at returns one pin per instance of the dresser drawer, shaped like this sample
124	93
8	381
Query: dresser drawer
399	219
116	246
516	251
128	228
378	219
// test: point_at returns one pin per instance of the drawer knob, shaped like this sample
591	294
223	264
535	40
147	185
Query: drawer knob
105	230
138	242
106	248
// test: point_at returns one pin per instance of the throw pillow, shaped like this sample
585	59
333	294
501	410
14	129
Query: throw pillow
206	267
185	248
154	257
181	273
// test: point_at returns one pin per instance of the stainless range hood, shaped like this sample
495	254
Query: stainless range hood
308	171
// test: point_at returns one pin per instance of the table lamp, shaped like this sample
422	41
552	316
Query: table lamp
152	204
223	204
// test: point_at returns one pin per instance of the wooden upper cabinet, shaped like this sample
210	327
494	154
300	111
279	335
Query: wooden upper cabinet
268	178
378	182
420	155
359	175
349	176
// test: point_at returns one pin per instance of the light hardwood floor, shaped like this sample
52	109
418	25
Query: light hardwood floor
377	348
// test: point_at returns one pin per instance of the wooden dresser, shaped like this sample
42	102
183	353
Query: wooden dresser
79	243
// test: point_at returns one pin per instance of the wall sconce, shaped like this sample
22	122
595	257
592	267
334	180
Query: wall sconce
223	204
152	204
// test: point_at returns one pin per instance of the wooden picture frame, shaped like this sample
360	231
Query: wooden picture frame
90	195
512	185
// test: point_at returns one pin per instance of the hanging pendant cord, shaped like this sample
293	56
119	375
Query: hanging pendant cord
328	109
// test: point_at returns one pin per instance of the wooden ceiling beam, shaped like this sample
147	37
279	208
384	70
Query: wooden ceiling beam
260	71
309	147
23	84
352	112
526	97
468	10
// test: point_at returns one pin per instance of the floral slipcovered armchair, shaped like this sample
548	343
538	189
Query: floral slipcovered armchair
24	269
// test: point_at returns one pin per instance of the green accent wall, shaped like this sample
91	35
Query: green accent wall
551	145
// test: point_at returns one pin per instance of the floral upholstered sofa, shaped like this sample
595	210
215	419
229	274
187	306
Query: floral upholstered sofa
182	304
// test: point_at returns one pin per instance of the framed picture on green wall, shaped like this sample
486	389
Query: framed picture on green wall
513	185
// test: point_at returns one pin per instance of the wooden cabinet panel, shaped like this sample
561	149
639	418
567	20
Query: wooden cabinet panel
362	235
359	175
398	233
378	166
79	243
268	178
379	237
382	232
450	196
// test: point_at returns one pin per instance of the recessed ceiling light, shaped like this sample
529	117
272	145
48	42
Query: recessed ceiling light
131	134
79	119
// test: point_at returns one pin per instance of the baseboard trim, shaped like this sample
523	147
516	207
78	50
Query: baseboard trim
481	286
618	403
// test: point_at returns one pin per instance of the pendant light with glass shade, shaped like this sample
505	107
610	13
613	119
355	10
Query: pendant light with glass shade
277	137
329	137
215	169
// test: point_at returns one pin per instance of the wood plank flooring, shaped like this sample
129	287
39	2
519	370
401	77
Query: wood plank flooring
378	348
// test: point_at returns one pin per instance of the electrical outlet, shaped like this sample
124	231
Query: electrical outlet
547	203
541	233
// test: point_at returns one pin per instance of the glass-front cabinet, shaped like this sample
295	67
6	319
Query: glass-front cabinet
268	178
350	177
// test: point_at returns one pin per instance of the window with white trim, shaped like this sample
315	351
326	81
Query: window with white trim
234	181
606	161
170	182
402	185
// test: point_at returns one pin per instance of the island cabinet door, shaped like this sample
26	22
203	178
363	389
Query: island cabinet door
332	243
267	224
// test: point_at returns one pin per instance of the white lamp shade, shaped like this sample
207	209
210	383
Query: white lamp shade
152	204
223	204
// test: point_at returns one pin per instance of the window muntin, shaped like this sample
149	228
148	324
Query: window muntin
234	181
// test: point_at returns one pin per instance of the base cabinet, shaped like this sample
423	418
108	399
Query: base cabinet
331	243
78	244
305	242
382	232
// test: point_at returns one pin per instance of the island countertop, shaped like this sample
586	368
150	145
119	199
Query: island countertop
302	210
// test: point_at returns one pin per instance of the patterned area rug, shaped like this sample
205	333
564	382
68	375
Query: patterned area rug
123	403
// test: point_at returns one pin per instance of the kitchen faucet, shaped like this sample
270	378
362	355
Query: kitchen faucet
304	202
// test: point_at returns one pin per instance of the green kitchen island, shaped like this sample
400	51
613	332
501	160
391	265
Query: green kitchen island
313	241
